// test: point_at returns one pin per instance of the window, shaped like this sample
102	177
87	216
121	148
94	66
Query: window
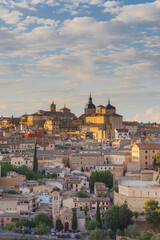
145	157
146	151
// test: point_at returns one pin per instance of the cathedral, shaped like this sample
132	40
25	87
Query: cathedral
102	120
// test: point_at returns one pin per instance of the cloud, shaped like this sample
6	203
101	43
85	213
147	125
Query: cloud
10	17
150	115
134	14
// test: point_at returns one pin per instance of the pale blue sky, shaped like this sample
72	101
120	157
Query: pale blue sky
62	49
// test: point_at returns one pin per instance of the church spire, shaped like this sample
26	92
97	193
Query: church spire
90	99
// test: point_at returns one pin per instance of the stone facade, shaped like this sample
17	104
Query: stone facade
85	161
144	153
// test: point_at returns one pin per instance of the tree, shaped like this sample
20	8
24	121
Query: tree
125	216
59	224
42	228
11	192
156	237
108	238
156	160
9	226
131	231
118	217
96	234
152	212
102	176
98	214
42	218
92	224
74	219
135	214
35	160
82	194
115	187
23	222
144	236
112	218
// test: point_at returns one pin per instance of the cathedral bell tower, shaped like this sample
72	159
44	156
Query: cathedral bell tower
90	107
53	107
55	204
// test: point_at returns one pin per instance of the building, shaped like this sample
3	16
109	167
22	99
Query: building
66	214
143	153
100	189
9	184
8	217
136	190
90	108
132	127
121	134
116	169
85	161
76	184
119	158
104	121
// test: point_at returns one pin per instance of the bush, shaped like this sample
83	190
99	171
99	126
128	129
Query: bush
92	224
144	236
42	228
131	231
96	234
82	194
9	226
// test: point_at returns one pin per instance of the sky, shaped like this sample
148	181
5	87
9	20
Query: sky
62	50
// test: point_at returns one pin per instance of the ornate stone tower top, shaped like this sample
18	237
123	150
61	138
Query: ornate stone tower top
90	107
53	107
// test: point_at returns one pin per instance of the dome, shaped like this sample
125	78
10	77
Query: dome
90	105
109	106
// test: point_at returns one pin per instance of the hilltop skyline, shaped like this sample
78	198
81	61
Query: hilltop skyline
62	50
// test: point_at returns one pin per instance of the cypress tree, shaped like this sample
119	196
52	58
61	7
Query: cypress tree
59	224
74	219
35	160
98	214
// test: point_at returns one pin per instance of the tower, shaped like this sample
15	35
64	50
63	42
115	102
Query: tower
53	107
90	107
55	204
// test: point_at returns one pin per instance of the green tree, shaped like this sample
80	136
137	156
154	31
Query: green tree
92	224
59	224
102	176
96	234
156	160
9	226
156	237
98	214
135	214
82	194
108	238
144	236
74	219
112	218
11	192
152	212
125	216
131	231
115	187
42	218
35	160
23	222
109	233
42	228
